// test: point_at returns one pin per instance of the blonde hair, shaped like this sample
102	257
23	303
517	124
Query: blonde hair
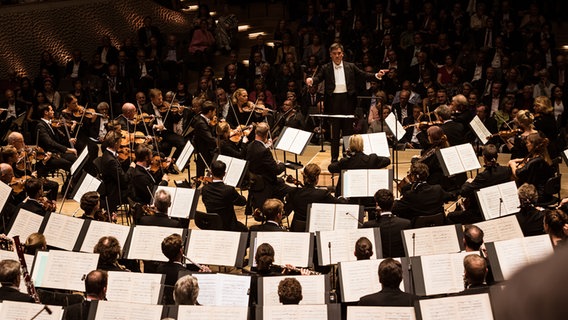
525	119
356	143
542	104
236	94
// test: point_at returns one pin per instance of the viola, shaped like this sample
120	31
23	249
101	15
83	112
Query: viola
137	137
124	154
294	181
505	134
159	163
240	132
144	117
17	184
166	106
48	205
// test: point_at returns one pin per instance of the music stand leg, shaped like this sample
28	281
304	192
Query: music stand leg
66	191
321	137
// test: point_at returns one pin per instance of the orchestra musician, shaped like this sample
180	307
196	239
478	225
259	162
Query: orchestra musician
516	143
203	140
91	205
363	249
289	117
356	159
536	168
113	176
166	117
493	174
51	140
141	179
162	201
9	210
298	199
231	143
263	169
109	251
10	277
221	198
26	157
36	202
419	198
341	78
273	210
98	127
242	110
172	248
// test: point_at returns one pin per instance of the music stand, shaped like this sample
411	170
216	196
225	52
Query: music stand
294	141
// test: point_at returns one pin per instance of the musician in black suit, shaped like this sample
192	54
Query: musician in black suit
52	141
172	248
475	272
221	198
420	198
10	276
390	224
340	89
114	178
492	175
162	201
272	210
204	141
357	160
390	276
142	181
34	190
95	289
263	169
299	198
454	130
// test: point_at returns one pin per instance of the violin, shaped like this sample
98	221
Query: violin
505	134
48	205
17	184
102	215
124	153
159	163
423	124
90	113
59	123
240	132
144	117
137	137
172	107
294	181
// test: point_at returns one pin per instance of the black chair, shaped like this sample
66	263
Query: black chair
429	221
208	221
551	188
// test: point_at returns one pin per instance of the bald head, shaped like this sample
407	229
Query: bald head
475	269
128	110
16	139
7	173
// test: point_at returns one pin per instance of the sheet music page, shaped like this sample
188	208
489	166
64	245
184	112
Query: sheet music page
16	310
467	307
322	217
289	247
235	172
468	157
443	273
395	127
25	224
512	256
82	156
99	229
313	289
216	289
184	156
432	240
378	179
380	313
127	311
134	287
286	139
182	205
480	129
89	183
65	269
5	191
538	247
376	143
62	231
343	244
213	247
510	197
490	202
38	271
355	183
360	278
296	312
452	160
300	142
212	312
346	216
504	228
146	243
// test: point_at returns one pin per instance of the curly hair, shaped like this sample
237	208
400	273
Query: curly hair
290	291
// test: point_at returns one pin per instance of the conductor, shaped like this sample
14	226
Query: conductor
340	92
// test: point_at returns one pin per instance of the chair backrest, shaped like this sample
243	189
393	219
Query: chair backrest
429	221
98	165
553	185
208	221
